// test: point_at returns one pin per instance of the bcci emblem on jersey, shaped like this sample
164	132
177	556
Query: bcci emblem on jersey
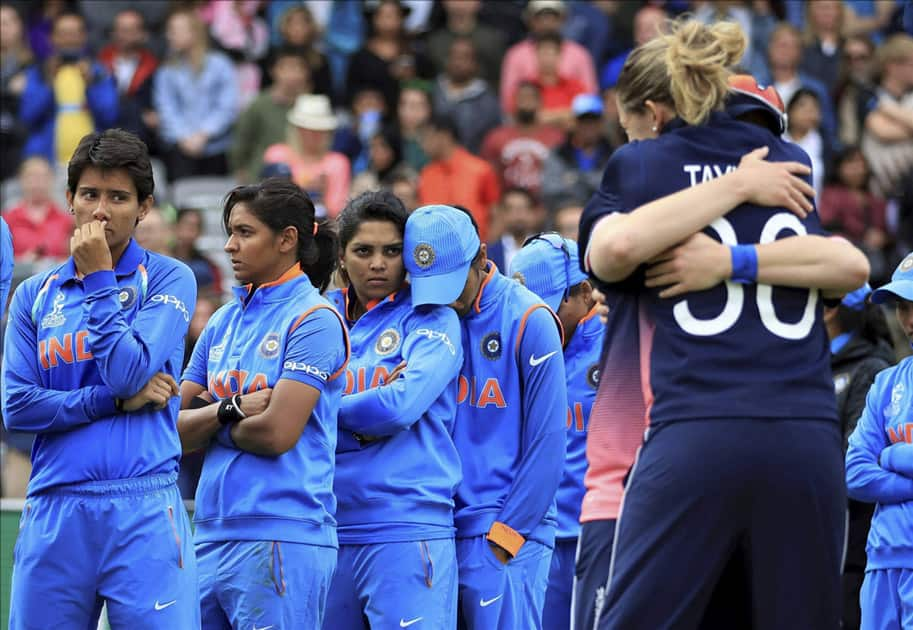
387	342
55	317
424	255
592	376
269	347
491	346
127	297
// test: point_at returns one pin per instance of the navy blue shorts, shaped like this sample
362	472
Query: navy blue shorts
763	500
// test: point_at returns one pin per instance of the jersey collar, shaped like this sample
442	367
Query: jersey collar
402	291
279	289
130	261
490	290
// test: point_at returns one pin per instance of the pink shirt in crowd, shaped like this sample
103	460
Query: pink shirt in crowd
520	65
331	175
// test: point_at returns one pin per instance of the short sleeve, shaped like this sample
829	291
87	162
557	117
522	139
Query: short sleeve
317	348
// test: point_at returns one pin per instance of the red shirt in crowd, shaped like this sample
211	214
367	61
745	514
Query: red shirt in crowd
560	95
518	156
49	238
850	213
463	180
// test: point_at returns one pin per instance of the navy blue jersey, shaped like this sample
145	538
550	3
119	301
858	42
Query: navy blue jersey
736	350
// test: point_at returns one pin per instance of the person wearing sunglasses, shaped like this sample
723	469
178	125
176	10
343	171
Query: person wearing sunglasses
548	265
509	428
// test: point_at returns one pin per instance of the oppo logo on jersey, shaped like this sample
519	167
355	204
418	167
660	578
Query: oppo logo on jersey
901	433
227	383
57	350
489	394
356	380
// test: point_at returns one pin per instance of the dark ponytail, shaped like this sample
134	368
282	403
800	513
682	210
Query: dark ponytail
279	203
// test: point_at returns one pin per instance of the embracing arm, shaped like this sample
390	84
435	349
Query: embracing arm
621	242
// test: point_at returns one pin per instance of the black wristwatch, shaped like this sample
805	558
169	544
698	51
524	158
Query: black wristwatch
230	410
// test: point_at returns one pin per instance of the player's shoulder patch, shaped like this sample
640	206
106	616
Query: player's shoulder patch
269	346
387	342
491	346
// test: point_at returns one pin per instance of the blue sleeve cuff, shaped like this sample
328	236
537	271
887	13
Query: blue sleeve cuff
317	383
102	403
99	280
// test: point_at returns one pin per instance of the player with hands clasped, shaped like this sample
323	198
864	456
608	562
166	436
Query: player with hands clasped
261	394
879	469
91	354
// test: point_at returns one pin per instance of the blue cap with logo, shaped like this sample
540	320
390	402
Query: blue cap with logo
548	266
901	284
438	247
855	300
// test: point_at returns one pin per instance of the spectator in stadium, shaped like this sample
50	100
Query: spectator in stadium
517	217
455	176
804	129
323	174
396	419
848	208
557	91
887	141
509	428
385	156
196	96
575	168
518	149
41	230
90	367
784	54
856	88
649	21
879	469
16	58
462	95
823	39
548	265
369	111
41	17
388	57
566	219
155	233
404	184
462	21
860	348
67	96
128	59
236	29
697	55
412	114
520	63
267	551
6	265
188	228
265	122
299	31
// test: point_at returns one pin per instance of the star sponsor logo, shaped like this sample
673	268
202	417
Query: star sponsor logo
491	346
269	347
55	317
423	255
387	342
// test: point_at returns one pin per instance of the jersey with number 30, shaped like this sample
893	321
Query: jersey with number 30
735	350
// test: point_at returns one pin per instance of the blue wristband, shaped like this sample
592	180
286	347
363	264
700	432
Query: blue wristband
744	263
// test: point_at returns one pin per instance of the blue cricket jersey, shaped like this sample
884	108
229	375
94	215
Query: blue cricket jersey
512	405
879	466
72	346
6	264
285	330
582	364
400	487
735	350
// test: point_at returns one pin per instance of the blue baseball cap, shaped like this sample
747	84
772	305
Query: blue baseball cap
438	247
900	286
548	266
855	300
587	105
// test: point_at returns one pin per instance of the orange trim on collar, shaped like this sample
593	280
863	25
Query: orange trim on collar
491	274
291	273
589	315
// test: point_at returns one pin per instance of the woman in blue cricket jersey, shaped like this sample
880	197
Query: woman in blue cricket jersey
261	394
397	468
741	388
92	351
879	469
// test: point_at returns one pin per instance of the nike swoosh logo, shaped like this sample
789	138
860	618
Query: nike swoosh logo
405	624
263	628
159	606
488	602
534	360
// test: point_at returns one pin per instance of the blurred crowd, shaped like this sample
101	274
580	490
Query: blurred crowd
506	108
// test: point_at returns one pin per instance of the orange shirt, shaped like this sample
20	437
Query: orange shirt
463	180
